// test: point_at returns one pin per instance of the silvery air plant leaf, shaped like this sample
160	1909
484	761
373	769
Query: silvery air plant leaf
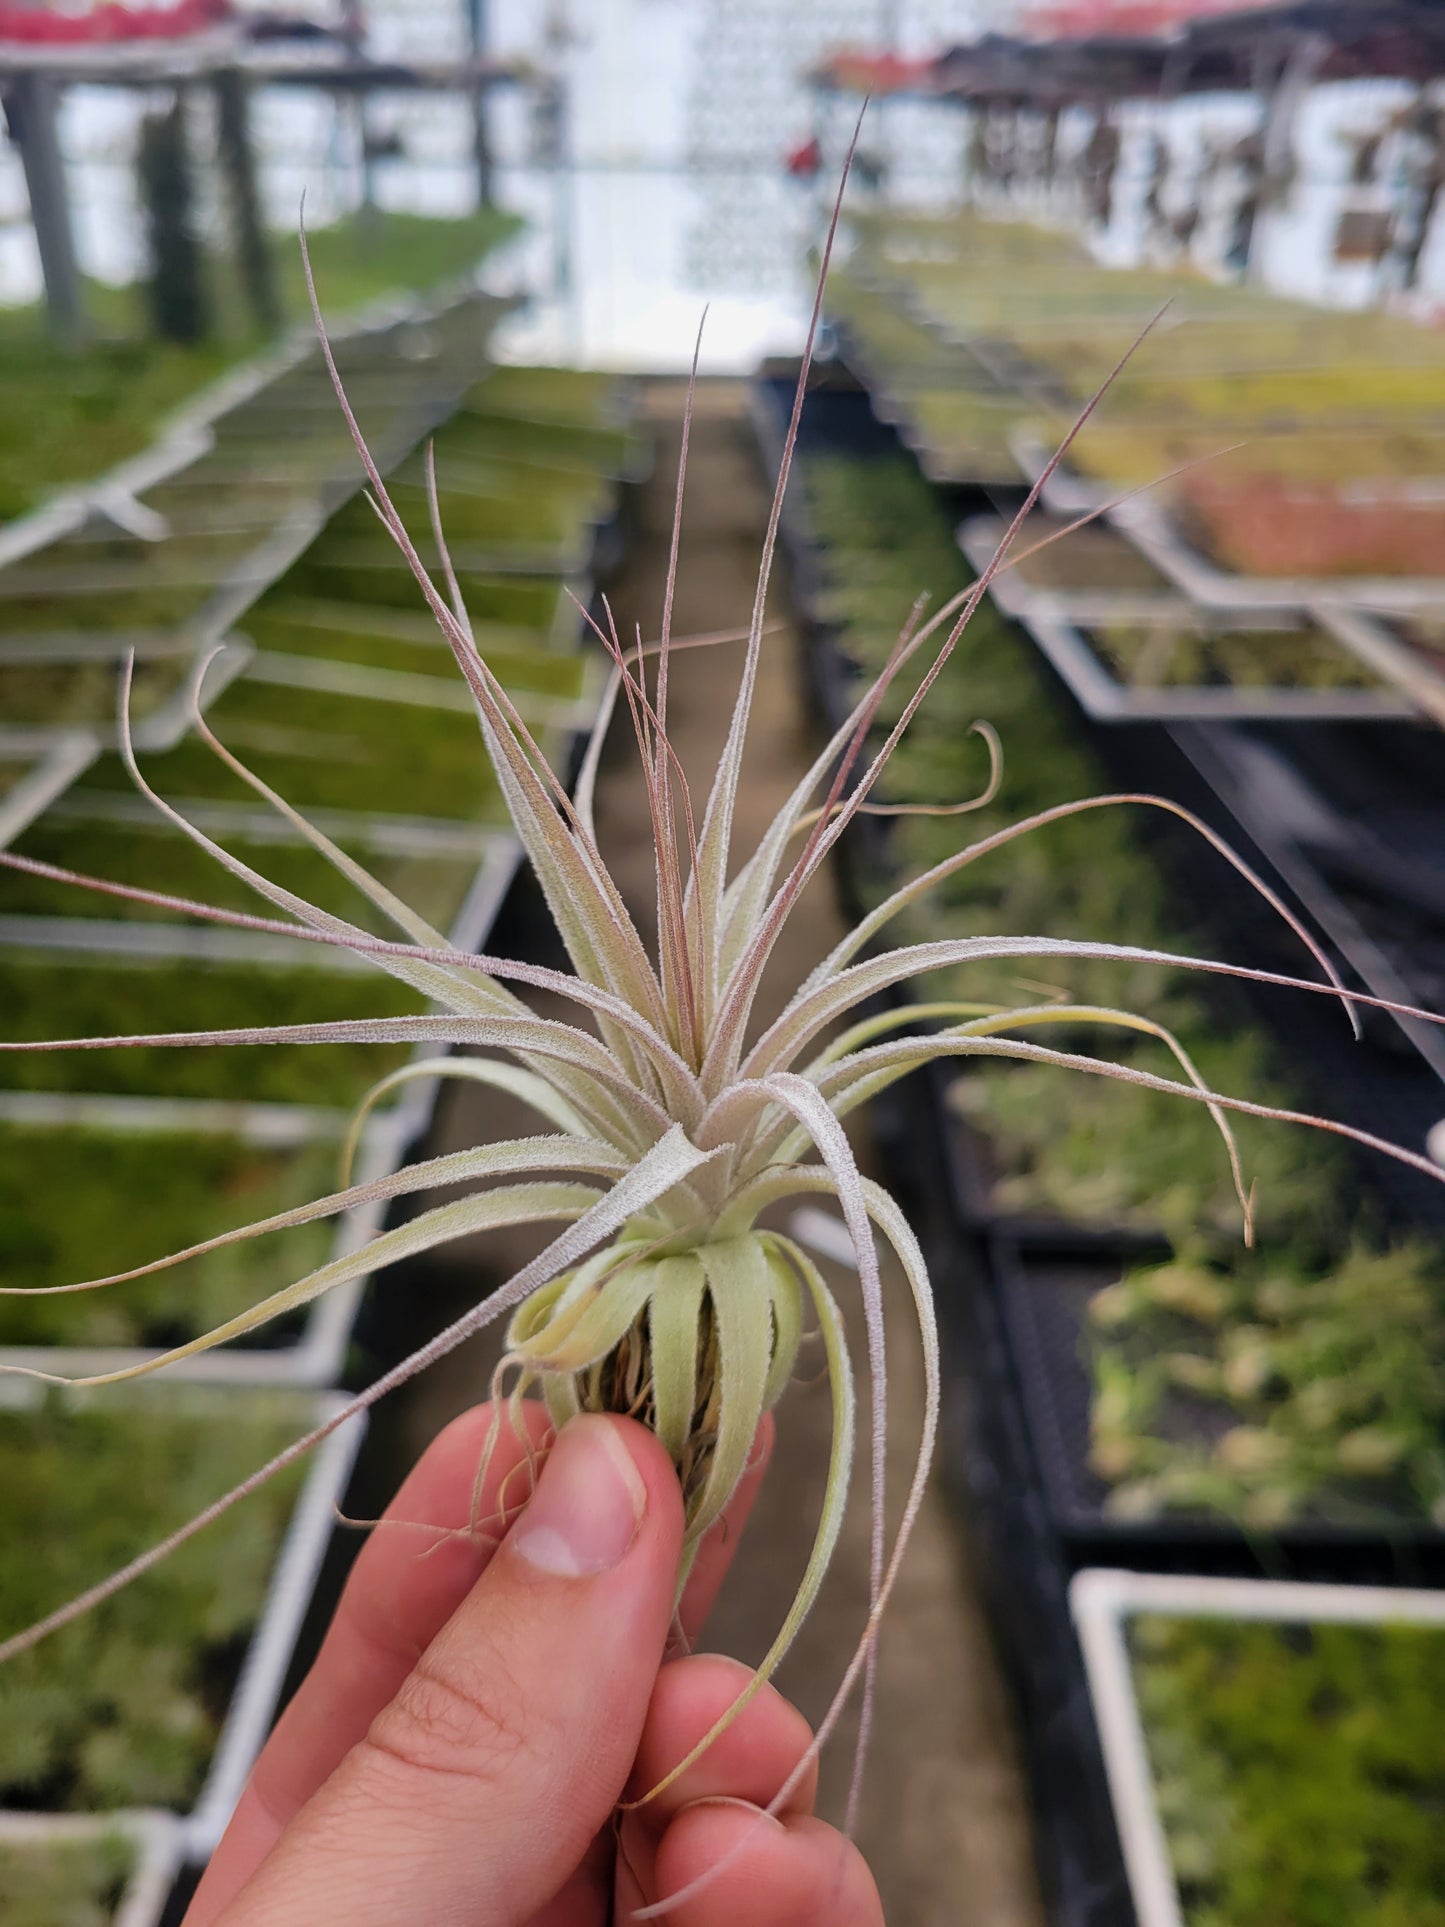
672	1125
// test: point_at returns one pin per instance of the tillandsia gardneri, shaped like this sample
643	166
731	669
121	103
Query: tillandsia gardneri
674	1125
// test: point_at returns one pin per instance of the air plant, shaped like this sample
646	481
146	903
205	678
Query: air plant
674	1124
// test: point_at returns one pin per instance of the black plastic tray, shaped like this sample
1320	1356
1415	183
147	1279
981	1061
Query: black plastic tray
1354	821
970	1177
1043	1308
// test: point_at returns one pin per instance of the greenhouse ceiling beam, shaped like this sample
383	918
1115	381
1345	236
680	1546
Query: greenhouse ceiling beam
173	65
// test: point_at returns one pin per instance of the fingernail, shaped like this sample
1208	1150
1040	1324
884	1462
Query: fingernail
730	1800
589	1503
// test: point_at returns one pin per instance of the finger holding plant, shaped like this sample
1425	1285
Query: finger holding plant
673	1124
478	1712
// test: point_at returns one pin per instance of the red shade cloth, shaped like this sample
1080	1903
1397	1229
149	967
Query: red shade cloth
109	22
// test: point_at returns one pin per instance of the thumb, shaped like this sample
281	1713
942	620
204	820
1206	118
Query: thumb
478	1789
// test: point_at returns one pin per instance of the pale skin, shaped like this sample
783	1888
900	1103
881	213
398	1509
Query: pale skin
482	1706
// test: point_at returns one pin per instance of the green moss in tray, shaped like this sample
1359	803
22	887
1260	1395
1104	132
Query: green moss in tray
325	751
523	659
1345	389
522	515
160	609
1195	654
102	547
1299	1769
64	1883
490	597
538	393
195	512
84	1204
151	855
1111	1153
46	996
1133	453
74	694
1274	1387
124	1707
466	471
959	438
482	429
529	602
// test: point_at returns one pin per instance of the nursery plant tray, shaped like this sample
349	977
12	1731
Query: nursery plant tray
973	1177
117	1704
217	1174
149	853
959	440
523	659
486	424
62	1870
1148	523
1188	666
75	693
1408	648
1044	1303
1092	572
588	398
46	993
29	783
1186	1806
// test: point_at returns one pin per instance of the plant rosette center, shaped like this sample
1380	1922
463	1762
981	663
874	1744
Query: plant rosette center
696	1340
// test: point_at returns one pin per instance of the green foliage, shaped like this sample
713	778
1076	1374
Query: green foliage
63	1883
325	751
84	1204
150	855
1275	1387
563	445
1299	1769
120	997
65	417
1194	653
68	694
1314	395
523	659
575	398
150	606
123	1707
513	512
364	258
1108	1153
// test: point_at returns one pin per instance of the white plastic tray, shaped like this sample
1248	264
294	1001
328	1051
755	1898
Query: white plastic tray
155	1839
288	1594
1103	1601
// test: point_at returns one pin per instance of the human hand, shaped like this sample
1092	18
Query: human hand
478	1709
